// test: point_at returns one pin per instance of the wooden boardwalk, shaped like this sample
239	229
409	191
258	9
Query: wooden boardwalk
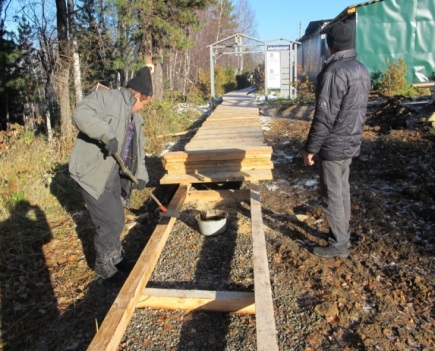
229	146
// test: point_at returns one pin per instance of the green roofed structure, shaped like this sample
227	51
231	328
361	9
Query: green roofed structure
384	31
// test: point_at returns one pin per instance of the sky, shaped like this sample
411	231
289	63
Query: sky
286	18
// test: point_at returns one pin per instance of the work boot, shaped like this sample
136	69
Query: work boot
125	265
116	280
104	268
331	251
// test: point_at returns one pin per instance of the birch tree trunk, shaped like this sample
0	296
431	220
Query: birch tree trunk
75	54
218	29
158	80
62	76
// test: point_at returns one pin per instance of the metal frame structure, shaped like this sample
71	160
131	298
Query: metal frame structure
233	45
240	44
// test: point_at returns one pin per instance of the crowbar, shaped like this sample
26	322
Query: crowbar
167	213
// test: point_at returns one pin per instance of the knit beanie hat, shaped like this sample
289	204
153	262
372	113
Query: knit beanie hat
340	37
142	82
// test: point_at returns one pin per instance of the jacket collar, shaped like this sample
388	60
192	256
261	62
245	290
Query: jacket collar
341	55
127	96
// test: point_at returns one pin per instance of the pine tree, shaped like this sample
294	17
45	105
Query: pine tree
27	72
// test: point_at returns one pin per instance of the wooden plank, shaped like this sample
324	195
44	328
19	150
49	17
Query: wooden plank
222	154
234	114
216	177
230	131
221	168
222	144
216	195
217	301
234	142
223	123
113	327
233	139
243	109
230	134
265	321
242	162
424	85
198	146
240	165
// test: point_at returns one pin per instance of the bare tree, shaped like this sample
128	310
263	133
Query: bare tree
62	75
75	53
245	18
246	25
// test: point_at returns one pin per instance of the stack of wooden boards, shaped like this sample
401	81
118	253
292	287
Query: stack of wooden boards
229	146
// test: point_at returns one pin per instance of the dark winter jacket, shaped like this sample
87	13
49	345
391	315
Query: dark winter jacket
342	92
103	115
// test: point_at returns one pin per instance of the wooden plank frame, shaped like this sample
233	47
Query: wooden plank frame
113	327
134	293
265	320
216	301
248	160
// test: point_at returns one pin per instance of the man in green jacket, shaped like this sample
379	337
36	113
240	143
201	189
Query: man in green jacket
109	122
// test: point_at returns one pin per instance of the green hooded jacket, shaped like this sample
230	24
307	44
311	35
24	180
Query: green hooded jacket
103	115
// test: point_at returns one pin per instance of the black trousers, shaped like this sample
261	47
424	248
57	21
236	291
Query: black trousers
107	214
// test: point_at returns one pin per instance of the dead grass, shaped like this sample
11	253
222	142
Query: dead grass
46	233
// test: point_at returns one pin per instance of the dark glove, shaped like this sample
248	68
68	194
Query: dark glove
112	146
141	185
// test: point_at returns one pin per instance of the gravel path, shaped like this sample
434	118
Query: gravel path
381	298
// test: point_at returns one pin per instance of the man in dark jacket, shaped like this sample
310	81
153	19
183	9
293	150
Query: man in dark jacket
109	122
342	92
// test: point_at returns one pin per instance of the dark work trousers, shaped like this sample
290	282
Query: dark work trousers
107	214
335	192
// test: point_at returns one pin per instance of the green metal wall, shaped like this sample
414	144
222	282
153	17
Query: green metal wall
391	29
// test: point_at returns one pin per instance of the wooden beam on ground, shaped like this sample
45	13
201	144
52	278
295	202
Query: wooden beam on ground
113	327
265	320
217	301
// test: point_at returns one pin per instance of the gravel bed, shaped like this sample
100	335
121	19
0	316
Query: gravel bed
193	261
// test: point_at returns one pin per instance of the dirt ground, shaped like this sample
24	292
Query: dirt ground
380	298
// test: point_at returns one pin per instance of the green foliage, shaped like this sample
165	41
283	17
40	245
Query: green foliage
393	80
230	82
203	85
28	137
224	80
306	90
12	200
243	80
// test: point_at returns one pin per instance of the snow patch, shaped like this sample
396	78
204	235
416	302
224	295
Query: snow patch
311	182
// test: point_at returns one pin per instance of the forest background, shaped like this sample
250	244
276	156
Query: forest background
61	49
58	52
